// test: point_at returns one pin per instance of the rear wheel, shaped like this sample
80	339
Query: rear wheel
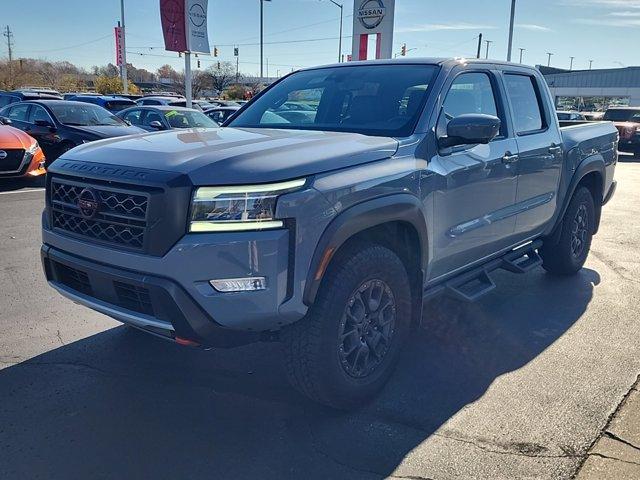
344	350
568	255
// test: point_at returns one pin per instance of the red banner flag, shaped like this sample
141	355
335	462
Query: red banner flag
172	13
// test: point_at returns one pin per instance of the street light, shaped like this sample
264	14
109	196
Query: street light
549	59
521	52
488	42
341	7
262	38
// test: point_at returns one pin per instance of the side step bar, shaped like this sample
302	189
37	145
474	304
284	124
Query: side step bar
472	285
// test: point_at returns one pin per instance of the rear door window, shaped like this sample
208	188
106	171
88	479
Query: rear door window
525	103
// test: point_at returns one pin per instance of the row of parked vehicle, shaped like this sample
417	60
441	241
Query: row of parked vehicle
37	126
625	119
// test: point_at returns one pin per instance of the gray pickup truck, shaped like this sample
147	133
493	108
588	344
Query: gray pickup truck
395	181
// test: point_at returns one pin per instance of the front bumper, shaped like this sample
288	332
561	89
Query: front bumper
175	287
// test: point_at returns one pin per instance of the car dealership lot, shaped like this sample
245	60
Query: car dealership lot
518	385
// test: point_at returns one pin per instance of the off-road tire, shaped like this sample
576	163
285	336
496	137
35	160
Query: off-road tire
561	258
311	346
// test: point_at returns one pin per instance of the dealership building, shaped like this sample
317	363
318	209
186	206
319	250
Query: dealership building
591	90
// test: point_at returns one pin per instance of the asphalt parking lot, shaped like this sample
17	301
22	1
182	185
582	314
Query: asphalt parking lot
519	385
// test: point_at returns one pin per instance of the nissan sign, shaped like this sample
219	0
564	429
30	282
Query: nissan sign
371	13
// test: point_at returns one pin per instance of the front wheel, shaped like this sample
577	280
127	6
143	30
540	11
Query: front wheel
568	256
344	351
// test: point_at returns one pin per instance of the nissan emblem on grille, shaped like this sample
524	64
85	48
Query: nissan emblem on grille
88	203
3	154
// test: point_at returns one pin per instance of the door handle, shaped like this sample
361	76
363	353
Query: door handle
555	149
509	158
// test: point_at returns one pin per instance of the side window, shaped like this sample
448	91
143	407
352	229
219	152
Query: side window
134	117
525	102
19	112
152	116
39	113
469	93
6	100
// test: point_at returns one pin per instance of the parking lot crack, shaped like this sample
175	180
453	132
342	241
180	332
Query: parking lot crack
606	457
621	440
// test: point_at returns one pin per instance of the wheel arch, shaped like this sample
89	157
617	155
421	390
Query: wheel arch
591	174
395	221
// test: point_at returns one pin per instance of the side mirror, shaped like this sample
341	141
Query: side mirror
5	121
157	125
471	128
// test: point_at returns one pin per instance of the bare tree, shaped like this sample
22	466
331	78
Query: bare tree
222	74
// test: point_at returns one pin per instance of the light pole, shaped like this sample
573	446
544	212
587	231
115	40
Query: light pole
513	16
571	64
549	59
521	52
590	64
123	67
488	42
262	38
341	7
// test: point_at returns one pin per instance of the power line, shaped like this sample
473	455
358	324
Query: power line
72	46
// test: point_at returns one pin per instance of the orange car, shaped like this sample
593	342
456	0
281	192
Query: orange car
20	154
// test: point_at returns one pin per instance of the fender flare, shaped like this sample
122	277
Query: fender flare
594	163
362	216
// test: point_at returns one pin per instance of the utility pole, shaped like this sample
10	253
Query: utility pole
549	59
479	45
590	64
262	37
123	67
236	52
7	33
521	51
488	42
571	64
341	7
188	81
513	16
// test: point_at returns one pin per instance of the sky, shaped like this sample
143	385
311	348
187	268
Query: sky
300	33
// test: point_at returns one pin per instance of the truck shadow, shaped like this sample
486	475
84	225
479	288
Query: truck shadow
122	405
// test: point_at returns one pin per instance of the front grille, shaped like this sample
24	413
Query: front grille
120	218
12	162
133	297
127	296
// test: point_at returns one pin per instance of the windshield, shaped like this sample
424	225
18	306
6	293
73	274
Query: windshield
622	115
188	119
83	114
383	100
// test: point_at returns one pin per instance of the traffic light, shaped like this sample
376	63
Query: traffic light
236	51
198	63
215	51
403	52
218	65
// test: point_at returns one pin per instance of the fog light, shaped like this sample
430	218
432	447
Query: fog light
239	284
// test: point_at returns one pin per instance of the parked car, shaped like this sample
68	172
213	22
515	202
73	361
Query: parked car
414	180
627	121
220	114
170	101
565	115
593	116
166	117
112	103
60	125
20	154
7	98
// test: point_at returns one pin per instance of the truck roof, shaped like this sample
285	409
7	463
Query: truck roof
442	61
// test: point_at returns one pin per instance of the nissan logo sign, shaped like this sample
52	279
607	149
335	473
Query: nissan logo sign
88	203
197	15
371	13
3	154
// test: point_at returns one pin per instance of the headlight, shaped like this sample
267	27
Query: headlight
249	207
33	148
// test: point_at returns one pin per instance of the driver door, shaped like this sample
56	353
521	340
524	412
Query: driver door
44	134
477	183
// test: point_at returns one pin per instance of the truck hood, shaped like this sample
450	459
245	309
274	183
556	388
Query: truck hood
232	156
